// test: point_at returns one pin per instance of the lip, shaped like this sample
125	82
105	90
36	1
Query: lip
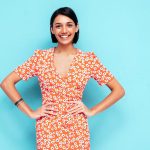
64	36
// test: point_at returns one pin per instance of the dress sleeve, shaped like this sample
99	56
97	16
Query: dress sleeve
30	67
99	72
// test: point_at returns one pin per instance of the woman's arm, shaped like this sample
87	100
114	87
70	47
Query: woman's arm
117	91
103	76
8	86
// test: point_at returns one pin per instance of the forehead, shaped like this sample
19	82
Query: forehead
62	19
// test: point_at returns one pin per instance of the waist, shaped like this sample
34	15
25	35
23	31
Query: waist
61	106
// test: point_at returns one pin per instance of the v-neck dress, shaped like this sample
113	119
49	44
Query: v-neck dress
63	131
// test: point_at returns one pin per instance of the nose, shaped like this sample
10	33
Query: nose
64	29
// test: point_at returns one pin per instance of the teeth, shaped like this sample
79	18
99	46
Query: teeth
64	36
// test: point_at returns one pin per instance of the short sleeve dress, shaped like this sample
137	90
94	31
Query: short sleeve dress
63	131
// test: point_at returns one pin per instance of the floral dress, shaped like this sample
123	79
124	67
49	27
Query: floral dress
63	131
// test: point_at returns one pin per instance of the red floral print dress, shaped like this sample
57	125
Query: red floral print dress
63	131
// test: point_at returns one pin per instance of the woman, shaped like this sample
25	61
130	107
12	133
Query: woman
63	72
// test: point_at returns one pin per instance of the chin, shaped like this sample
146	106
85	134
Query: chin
65	42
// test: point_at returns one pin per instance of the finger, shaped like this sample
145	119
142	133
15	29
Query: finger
73	108
77	106
76	102
77	112
43	115
40	115
51	108
48	106
79	109
50	112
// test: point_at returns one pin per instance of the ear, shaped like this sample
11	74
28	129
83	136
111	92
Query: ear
77	27
52	30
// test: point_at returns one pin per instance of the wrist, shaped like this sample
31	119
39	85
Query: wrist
31	114
92	112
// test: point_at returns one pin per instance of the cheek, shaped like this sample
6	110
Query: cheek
73	31
56	30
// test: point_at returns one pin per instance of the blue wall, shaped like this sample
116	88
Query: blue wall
118	32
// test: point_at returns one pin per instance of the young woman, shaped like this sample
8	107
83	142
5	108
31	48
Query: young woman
63	72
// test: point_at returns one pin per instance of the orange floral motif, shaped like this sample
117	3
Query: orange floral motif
63	131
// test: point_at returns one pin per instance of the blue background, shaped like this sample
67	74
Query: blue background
118	32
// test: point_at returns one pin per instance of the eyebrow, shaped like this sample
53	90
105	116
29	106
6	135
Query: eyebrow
61	23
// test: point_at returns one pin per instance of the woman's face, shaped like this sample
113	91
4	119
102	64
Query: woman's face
64	29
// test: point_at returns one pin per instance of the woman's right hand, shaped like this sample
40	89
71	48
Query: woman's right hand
44	110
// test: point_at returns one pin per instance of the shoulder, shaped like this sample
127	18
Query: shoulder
89	54
91	58
42	52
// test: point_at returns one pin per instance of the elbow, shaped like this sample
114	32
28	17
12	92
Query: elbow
122	91
3	84
119	91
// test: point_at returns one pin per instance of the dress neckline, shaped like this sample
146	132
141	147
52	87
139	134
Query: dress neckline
64	75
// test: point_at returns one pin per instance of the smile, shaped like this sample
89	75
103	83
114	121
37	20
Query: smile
64	36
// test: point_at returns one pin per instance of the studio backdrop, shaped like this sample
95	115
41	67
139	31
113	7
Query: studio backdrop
118	32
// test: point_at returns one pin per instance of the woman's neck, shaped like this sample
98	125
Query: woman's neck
65	49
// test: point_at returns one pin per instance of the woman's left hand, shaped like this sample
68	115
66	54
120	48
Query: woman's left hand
79	108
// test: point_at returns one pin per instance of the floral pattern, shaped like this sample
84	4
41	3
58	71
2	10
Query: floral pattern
63	131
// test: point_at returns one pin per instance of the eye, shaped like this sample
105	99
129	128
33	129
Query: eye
70	25
58	26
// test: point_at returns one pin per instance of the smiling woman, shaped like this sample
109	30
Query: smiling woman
62	20
63	72
61	25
